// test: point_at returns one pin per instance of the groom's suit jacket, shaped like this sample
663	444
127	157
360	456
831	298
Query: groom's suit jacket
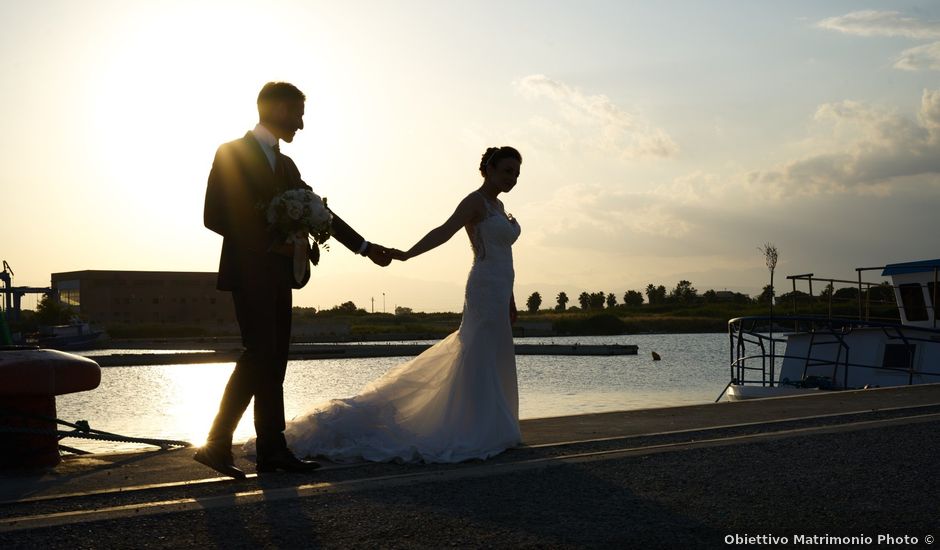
241	184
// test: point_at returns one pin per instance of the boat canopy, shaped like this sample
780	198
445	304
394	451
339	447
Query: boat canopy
911	267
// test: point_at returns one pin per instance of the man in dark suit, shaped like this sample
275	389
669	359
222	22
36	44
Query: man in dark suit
256	265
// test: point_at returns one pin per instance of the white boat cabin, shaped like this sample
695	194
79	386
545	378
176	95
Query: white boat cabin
915	289
852	354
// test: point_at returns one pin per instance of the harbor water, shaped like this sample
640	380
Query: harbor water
179	401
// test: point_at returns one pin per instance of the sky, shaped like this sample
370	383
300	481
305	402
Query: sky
661	141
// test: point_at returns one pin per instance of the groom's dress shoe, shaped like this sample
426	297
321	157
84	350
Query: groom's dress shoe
286	462
219	460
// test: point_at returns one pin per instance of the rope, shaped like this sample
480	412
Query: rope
82	430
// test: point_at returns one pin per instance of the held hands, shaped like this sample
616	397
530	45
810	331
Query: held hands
383	256
379	255
399	255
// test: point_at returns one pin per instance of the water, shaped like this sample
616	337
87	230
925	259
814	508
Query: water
179	401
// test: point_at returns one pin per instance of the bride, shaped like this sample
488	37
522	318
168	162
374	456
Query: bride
458	400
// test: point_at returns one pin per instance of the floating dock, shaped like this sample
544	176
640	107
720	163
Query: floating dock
347	351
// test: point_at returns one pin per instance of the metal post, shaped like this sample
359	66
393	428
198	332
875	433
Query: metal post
933	297
794	296
859	271
772	360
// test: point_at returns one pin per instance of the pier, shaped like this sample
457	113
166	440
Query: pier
833	464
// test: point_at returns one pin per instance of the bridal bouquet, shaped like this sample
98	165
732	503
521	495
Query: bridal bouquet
299	213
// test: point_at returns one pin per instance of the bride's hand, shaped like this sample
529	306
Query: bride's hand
398	254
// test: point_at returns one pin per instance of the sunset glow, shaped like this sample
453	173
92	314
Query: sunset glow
660	142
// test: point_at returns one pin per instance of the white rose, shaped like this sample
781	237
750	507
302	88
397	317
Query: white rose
294	210
319	214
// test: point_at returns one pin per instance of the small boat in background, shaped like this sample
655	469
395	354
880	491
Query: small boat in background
75	336
827	352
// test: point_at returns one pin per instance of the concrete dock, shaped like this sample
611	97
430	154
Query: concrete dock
841	464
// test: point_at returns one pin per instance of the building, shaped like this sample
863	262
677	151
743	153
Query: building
128	298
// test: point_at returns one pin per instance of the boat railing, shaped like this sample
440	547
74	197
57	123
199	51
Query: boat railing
754	359
869	298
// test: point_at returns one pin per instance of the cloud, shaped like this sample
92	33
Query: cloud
870	149
881	23
596	121
920	58
925	57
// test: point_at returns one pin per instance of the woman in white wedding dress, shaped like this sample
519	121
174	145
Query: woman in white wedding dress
458	400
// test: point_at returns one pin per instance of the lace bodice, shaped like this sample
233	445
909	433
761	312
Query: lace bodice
492	237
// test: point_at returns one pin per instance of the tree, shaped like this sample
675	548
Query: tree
401	310
611	301
632	298
533	303
881	293
684	293
849	293
585	300
50	311
598	299
347	308
655	294
767	295
770	260
562	300
787	297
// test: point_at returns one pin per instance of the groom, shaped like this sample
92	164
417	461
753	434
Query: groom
256	265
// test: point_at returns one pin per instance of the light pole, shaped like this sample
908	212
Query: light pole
383	302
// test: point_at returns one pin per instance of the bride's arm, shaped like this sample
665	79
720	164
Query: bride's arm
469	209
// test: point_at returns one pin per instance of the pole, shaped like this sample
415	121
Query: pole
5	338
383	302
933	296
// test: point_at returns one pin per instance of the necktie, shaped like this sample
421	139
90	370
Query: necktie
278	163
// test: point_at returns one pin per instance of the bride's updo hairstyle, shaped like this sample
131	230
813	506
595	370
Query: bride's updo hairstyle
494	155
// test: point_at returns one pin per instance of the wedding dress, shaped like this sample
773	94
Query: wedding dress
457	401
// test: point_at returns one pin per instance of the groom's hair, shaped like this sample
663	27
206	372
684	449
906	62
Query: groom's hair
277	92
494	155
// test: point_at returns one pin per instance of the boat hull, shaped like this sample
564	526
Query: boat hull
740	393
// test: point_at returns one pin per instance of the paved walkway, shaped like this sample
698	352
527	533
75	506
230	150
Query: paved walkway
851	463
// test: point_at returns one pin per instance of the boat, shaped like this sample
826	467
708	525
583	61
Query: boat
76	336
785	355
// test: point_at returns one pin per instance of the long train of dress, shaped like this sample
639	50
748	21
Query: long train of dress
456	401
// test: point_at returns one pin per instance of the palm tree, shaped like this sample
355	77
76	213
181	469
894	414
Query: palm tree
534	302
585	300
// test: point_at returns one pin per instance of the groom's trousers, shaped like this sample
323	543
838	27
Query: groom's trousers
264	318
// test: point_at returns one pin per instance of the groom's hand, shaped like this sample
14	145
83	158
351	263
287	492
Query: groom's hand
379	255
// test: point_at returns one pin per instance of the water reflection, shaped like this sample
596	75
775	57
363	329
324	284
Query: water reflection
180	401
